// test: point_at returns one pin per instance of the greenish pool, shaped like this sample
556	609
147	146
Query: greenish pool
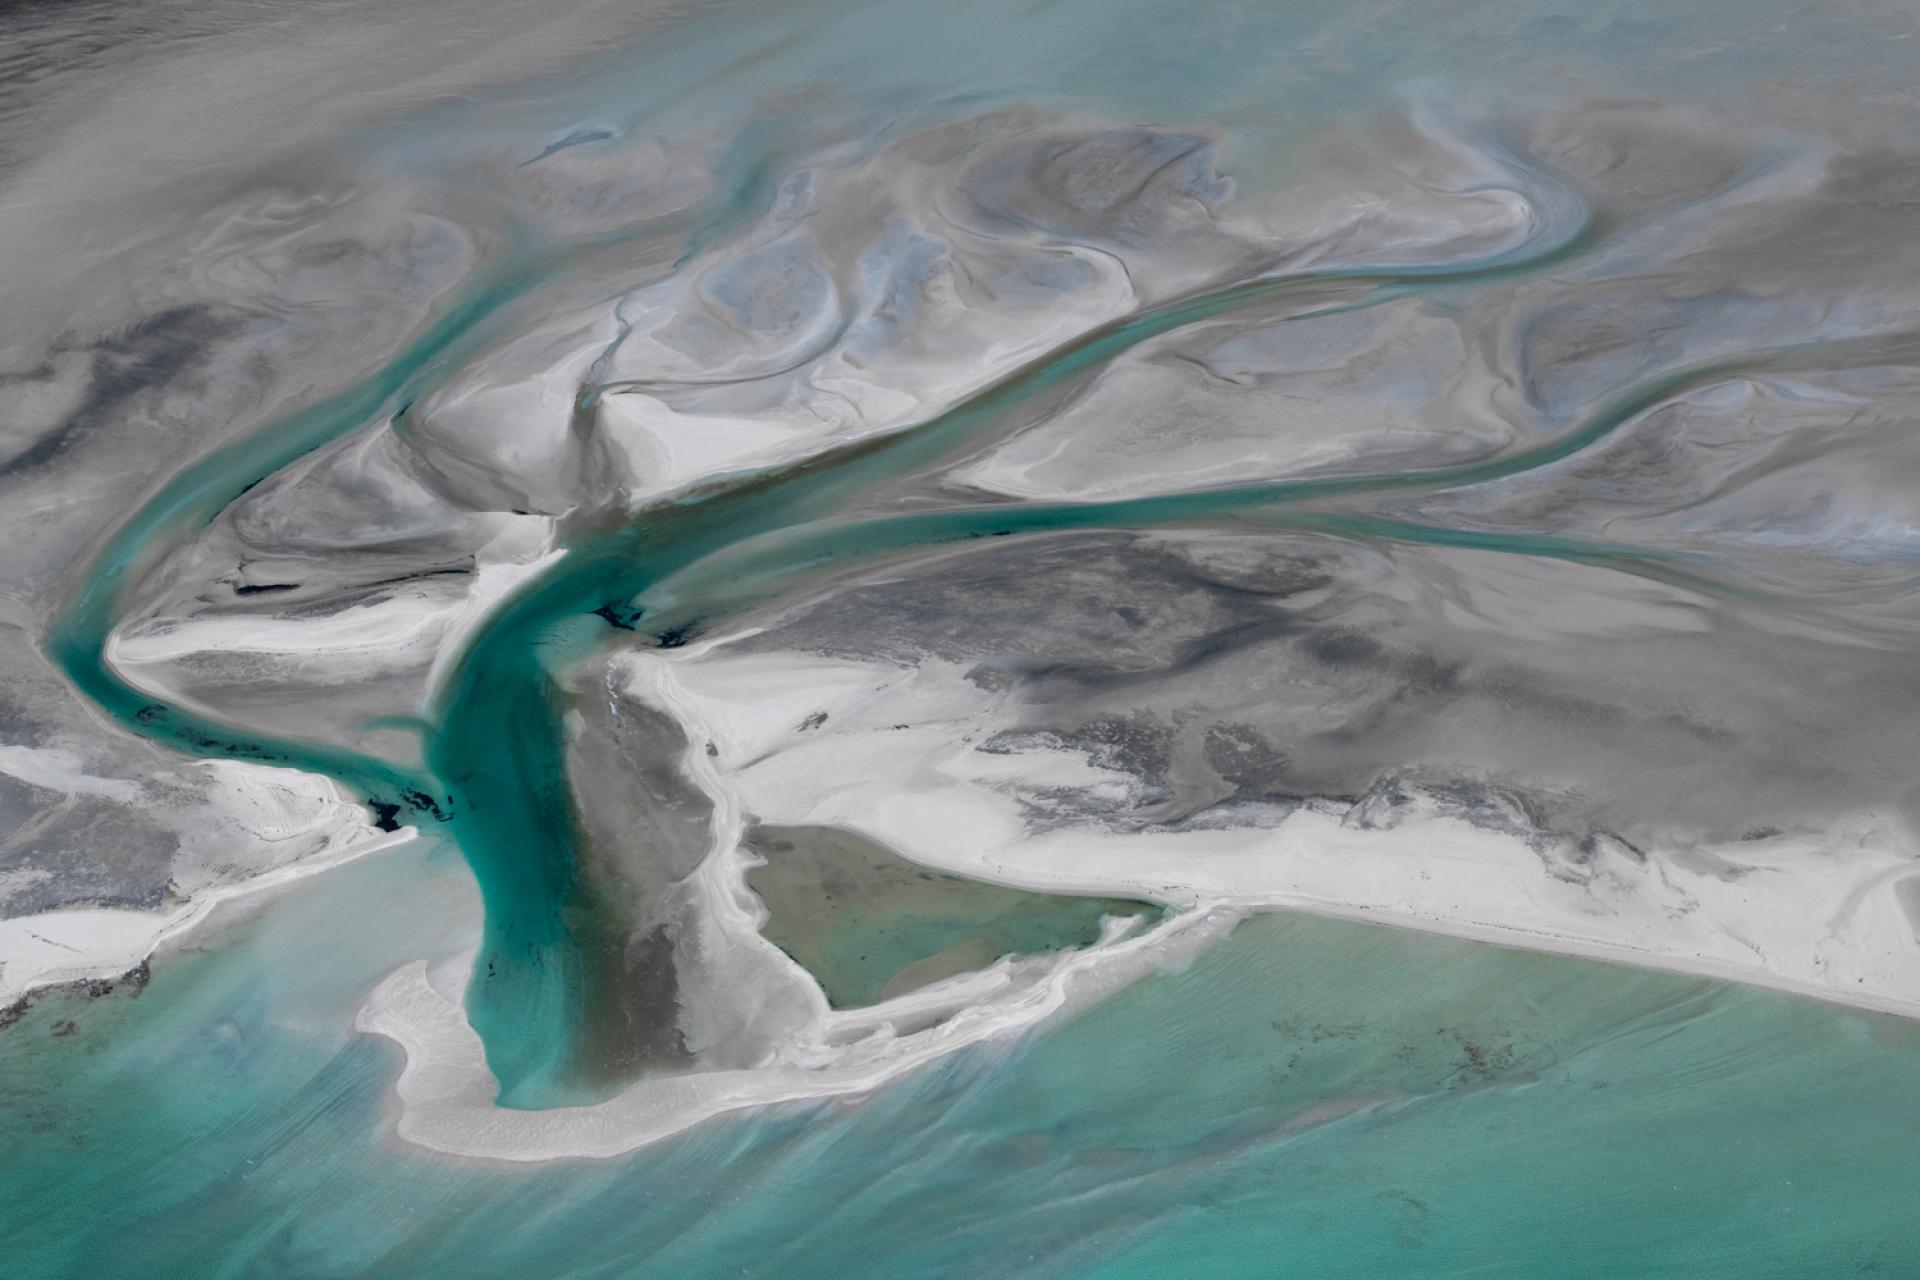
868	925
1309	1099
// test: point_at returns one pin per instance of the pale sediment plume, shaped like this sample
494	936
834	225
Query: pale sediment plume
1482	503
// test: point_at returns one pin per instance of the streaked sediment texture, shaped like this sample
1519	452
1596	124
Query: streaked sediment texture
864	552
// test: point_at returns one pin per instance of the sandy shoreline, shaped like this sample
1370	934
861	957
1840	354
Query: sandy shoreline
1548	942
444	1095
56	948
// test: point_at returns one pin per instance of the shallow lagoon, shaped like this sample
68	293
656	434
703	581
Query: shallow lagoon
866	924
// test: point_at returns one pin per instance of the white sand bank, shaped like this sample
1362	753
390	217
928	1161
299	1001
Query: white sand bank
1819	918
1818	913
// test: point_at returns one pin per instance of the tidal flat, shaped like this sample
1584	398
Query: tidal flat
878	638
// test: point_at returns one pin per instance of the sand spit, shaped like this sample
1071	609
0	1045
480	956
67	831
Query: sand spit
1814	913
86	944
898	769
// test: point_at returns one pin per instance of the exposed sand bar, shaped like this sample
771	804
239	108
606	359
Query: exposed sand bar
918	791
1818	914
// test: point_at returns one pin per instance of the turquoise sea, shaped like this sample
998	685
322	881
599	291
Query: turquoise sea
1311	1098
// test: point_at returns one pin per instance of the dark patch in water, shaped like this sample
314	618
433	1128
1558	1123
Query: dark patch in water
624	619
134	980
674	637
248	589
421	802
213	744
386	813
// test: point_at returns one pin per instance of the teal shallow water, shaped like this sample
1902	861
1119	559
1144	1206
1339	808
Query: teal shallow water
1311	1098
